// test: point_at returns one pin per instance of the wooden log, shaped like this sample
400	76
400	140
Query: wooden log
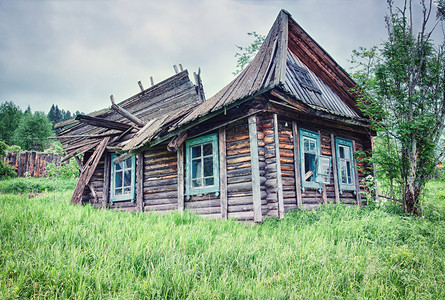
126	114
177	141
255	167
140	181
180	172
99	122
88	171
223	172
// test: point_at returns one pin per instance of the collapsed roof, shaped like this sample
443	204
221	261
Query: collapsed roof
289	61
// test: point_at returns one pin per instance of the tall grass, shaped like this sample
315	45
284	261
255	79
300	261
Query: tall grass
50	249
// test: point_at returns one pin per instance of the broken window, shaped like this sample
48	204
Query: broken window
345	164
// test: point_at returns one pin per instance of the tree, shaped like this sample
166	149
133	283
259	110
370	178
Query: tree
33	131
246	54
10	115
403	84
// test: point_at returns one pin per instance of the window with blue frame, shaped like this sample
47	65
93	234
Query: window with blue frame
309	154
122	180
345	164
202	165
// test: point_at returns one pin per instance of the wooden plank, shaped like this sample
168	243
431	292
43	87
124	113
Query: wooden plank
99	122
88	170
357	181
140	182
180	162
222	171
125	113
278	162
297	166
256	185
334	169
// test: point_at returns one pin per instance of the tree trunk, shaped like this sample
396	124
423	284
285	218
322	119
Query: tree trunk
412	199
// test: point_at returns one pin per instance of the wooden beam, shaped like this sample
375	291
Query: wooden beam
222	171
141	86
358	197
107	174
88	170
256	183
152	81
104	123
180	67
334	169
176	69
177	141
126	114
140	181
180	153
278	164
297	166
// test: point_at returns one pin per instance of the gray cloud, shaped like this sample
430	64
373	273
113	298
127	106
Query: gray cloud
76	53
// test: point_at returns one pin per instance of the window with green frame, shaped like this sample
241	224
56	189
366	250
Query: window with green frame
345	164
202	165
122	180
309	154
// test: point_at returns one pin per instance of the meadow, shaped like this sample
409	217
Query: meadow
50	249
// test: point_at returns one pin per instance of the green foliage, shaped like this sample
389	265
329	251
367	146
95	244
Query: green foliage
55	115
402	92
246	54
10	115
24	185
66	170
51	249
6	171
33	132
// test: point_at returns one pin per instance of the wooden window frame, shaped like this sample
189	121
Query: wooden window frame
125	197
304	133
345	143
210	138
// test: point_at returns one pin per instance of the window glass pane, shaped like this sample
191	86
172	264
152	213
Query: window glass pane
118	166
342	151
208	149
118	192
347	153
196	182
312	146
348	170
128	163
343	172
127	190
196	151
309	166
118	179
208	166
196	168
306	144
209	181
127	178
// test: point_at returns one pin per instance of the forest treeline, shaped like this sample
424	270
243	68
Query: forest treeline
30	130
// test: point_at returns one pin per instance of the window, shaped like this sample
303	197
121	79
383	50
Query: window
309	151
122	180
202	165
304	78
324	169
345	164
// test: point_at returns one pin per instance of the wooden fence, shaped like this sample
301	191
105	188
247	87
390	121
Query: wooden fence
31	163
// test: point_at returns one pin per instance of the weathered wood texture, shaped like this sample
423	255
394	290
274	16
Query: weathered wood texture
160	180
239	172
31	163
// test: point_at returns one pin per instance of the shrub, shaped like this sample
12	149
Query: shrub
66	170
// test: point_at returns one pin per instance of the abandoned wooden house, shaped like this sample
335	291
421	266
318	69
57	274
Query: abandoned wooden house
281	135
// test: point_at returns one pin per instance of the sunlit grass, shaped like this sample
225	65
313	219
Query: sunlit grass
50	249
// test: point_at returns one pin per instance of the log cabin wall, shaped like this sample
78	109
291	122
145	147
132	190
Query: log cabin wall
239	172
160	184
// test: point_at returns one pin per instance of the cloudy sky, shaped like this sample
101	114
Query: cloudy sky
75	53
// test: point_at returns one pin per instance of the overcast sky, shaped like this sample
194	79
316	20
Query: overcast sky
75	53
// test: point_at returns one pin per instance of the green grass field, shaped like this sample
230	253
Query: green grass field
50	249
